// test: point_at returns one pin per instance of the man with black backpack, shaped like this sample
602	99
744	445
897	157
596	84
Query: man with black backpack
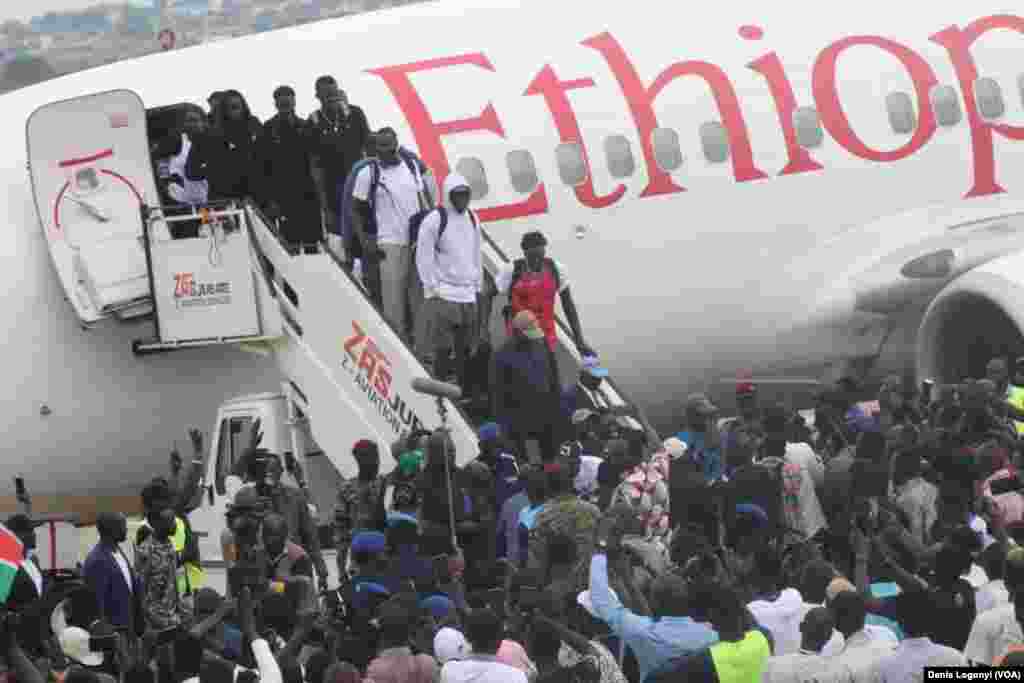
449	259
387	192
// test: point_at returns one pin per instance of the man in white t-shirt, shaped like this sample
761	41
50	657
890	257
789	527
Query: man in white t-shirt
399	195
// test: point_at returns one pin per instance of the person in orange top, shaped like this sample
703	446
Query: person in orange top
532	283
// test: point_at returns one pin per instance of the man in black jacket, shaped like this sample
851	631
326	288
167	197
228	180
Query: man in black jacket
285	183
338	136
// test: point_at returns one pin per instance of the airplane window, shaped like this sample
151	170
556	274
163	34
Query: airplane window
472	170
667	153
620	156
235	435
990	98
902	116
808	127
715	141
571	166
522	170
946	104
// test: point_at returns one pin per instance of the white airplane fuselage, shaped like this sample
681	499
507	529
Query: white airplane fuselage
682	273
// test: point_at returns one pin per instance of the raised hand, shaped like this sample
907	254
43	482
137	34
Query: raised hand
197	440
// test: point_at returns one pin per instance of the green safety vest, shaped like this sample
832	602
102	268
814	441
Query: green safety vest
743	661
1015	397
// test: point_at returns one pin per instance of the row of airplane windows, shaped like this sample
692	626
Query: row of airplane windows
714	138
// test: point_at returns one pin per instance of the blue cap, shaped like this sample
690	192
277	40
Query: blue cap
489	432
372	542
438	606
593	366
754	511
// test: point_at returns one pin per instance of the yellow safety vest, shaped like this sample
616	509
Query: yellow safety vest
190	575
741	662
1015	397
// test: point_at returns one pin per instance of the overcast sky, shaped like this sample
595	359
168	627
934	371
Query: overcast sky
23	10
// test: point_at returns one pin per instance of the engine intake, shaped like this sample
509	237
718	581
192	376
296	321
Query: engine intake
976	317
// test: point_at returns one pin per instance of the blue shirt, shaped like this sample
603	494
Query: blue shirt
654	641
711	458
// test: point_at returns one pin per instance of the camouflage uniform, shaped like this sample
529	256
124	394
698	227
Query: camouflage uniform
359	504
565	516
156	564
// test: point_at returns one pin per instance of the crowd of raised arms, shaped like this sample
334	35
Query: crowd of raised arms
881	538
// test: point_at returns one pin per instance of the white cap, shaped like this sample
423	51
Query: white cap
74	642
450	645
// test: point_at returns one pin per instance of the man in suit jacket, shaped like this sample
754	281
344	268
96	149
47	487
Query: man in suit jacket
28	587
111	577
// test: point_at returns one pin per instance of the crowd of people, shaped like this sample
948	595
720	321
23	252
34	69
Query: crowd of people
880	539
884	536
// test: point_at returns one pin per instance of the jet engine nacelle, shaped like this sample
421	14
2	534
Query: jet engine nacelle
976	317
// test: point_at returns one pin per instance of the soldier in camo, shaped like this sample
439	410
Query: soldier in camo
156	564
360	501
564	515
743	434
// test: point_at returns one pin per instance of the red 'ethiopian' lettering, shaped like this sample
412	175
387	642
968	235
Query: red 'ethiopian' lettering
641	104
428	132
958	44
769	66
830	109
555	95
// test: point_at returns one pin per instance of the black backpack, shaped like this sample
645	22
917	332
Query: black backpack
519	268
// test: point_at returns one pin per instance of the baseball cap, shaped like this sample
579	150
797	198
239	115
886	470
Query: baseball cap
372	542
74	643
593	367
489	432
438	606
525	322
701	404
450	645
746	388
755	512
409	463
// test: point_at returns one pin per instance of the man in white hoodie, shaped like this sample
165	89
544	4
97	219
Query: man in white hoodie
450	263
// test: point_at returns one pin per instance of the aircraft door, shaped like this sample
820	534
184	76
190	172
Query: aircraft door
90	168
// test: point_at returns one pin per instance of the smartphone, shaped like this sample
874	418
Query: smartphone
19	487
926	390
